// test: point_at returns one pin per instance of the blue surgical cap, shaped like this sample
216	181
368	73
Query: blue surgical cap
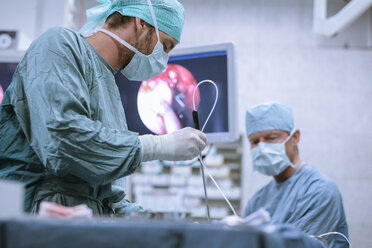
269	116
169	14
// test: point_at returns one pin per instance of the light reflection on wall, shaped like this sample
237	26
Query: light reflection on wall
165	101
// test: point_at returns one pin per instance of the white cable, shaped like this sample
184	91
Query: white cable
338	233
200	158
215	101
218	187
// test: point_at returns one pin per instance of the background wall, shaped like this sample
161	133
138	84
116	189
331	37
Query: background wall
278	58
32	17
328	87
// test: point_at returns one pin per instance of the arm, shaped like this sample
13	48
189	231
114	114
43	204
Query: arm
320	211
51	100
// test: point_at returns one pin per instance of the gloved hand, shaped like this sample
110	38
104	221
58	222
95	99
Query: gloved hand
54	210
183	144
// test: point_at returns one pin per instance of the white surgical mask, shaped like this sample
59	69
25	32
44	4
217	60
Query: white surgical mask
143	67
270	158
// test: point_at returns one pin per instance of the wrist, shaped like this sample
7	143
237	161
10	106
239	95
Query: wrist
146	142
157	147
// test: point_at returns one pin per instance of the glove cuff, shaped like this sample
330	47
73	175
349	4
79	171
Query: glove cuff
157	147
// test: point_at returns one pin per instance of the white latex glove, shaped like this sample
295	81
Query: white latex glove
183	144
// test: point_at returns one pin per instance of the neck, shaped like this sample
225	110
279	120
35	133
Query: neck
116	54
289	171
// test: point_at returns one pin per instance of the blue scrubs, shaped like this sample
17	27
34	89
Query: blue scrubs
309	200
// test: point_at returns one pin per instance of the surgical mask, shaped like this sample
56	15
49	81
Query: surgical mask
143	67
270	158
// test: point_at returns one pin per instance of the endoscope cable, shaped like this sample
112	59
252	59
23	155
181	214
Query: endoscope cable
332	233
202	166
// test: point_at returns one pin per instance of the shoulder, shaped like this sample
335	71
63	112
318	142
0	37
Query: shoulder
312	177
58	45
60	33
59	40
317	184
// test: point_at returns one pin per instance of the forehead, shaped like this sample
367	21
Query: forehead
262	134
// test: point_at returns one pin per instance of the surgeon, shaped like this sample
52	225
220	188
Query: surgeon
63	130
298	194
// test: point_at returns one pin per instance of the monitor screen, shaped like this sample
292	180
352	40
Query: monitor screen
164	103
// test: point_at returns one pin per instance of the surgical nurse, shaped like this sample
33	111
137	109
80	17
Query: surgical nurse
298	194
63	130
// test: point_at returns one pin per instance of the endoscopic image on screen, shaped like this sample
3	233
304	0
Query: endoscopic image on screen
164	103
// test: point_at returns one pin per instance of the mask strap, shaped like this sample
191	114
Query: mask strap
290	135
119	39
288	138
154	18
303	163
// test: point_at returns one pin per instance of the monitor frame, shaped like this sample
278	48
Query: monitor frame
11	56
232	134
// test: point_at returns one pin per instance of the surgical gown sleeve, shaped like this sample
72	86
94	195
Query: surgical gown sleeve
319	211
53	103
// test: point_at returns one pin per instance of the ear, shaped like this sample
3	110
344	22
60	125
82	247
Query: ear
296	136
140	25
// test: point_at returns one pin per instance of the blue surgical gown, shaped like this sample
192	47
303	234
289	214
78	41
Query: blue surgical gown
63	130
309	200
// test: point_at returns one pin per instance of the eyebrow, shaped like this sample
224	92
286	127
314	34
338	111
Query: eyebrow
272	135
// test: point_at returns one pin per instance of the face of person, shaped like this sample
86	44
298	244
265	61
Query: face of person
277	136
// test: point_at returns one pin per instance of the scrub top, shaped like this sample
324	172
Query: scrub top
309	200
63	130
